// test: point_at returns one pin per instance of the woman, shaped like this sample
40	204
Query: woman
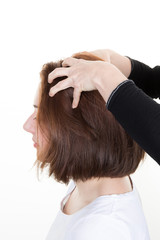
89	147
132	107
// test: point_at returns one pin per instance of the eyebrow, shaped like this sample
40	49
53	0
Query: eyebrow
35	106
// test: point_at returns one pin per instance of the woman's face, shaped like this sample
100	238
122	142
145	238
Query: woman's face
31	124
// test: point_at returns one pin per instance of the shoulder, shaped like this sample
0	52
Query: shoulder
101	227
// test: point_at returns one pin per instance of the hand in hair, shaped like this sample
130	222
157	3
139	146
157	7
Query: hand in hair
84	75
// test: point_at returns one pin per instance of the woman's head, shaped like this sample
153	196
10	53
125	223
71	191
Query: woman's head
84	142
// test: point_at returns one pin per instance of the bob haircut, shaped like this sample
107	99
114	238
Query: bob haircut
85	142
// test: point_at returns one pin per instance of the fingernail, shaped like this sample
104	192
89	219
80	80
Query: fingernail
50	94
73	106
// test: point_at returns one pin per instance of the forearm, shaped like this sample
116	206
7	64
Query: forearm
144	77
106	88
121	62
139	115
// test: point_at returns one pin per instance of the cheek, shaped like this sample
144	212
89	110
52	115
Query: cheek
41	139
42	147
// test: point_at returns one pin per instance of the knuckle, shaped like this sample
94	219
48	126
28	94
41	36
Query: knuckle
66	61
56	71
59	84
77	85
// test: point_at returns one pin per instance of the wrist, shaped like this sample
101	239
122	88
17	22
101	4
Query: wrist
109	81
115	90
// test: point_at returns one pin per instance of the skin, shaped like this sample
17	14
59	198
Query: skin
121	62
31	124
86	75
84	192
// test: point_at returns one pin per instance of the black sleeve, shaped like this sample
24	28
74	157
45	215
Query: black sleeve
139	115
146	78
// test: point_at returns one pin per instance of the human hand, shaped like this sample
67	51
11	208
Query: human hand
80	76
121	62
86	75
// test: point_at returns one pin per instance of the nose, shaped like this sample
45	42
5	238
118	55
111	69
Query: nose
29	125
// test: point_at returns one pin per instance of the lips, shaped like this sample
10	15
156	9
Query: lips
35	144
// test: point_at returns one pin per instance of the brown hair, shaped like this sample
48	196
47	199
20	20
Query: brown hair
84	142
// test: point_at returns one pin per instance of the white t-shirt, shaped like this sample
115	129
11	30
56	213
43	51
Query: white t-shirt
108	217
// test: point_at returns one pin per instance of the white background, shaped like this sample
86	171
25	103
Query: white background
33	33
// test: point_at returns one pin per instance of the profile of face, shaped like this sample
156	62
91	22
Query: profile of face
31	124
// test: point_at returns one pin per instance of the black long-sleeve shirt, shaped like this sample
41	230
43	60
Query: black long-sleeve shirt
132	105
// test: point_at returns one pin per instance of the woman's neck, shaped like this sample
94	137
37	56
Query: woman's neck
89	190
86	192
